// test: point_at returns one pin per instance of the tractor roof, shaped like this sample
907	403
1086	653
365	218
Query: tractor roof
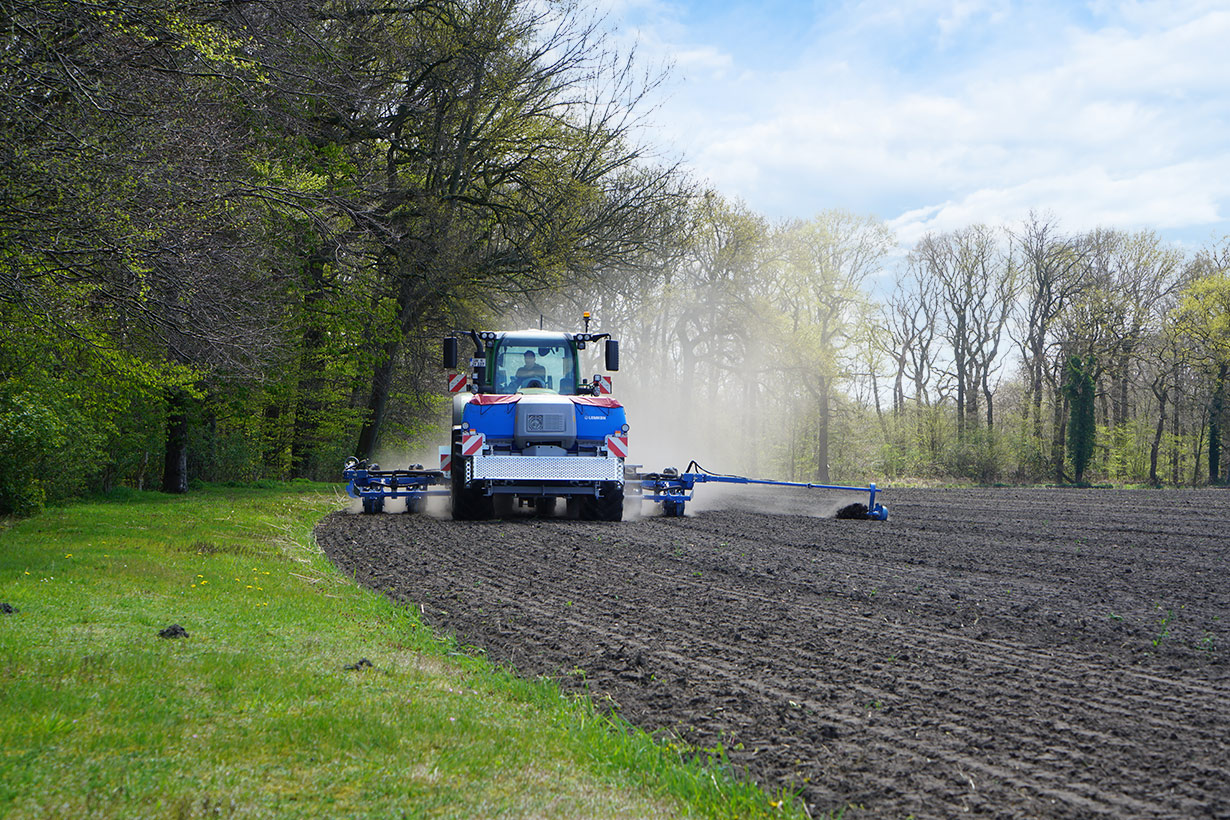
533	336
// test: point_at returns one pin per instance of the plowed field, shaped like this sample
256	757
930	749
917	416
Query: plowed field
998	653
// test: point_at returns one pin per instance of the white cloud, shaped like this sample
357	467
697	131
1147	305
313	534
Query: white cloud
934	115
704	59
1162	198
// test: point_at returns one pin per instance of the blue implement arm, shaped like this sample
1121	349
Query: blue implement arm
674	489
372	485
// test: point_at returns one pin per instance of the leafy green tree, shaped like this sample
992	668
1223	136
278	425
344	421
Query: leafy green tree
1204	316
823	308
1080	390
123	229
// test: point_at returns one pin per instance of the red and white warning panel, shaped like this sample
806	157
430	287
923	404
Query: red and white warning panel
446	459
604	384
472	443
618	445
456	382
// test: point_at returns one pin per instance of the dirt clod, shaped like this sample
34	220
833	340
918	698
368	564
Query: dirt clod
8	609
852	512
173	631
361	663
988	653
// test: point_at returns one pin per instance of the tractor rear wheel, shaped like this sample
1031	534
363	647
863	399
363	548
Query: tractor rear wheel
607	505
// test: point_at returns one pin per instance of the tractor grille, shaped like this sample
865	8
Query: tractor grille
545	423
559	468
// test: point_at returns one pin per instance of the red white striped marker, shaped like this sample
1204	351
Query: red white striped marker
604	384
472	443
456	382
617	445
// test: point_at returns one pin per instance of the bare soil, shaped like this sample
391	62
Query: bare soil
1015	653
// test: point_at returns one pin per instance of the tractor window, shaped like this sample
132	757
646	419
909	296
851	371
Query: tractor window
527	366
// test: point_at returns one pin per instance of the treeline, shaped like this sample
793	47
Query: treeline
231	232
1020	353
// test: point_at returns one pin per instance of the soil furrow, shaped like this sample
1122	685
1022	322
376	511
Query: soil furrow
1000	653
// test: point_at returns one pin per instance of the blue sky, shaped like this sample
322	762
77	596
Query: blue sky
936	115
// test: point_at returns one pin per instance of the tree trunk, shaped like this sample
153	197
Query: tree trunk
875	392
310	390
1175	452
377	401
175	468
1216	405
1061	432
986	394
272	452
382	374
1158	431
959	361
822	433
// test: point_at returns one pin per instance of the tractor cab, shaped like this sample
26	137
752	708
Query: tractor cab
531	363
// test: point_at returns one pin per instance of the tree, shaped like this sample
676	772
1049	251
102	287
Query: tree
976	283
494	142
1082	426
824	264
1053	271
1204	316
120	228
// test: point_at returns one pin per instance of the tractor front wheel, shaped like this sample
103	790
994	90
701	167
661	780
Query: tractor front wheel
469	503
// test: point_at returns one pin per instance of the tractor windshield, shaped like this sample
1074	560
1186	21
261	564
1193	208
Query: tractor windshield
530	364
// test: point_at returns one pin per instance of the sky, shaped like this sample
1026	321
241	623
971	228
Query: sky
933	115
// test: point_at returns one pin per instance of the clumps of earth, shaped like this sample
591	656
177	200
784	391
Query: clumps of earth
360	664
7	609
173	631
853	511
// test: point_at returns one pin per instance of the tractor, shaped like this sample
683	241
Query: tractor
528	430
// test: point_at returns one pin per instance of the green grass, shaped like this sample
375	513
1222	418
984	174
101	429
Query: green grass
254	714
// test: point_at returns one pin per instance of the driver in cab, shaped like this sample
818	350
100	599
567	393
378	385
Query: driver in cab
531	374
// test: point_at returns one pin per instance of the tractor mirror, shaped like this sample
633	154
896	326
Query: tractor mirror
450	352
612	354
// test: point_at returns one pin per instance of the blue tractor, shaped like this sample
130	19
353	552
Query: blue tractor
532	430
528	430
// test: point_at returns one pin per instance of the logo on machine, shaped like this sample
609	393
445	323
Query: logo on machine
456	382
617	446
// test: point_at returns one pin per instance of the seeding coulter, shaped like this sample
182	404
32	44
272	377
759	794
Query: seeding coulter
528	430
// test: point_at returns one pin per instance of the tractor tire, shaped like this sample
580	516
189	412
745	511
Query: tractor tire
607	505
468	503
